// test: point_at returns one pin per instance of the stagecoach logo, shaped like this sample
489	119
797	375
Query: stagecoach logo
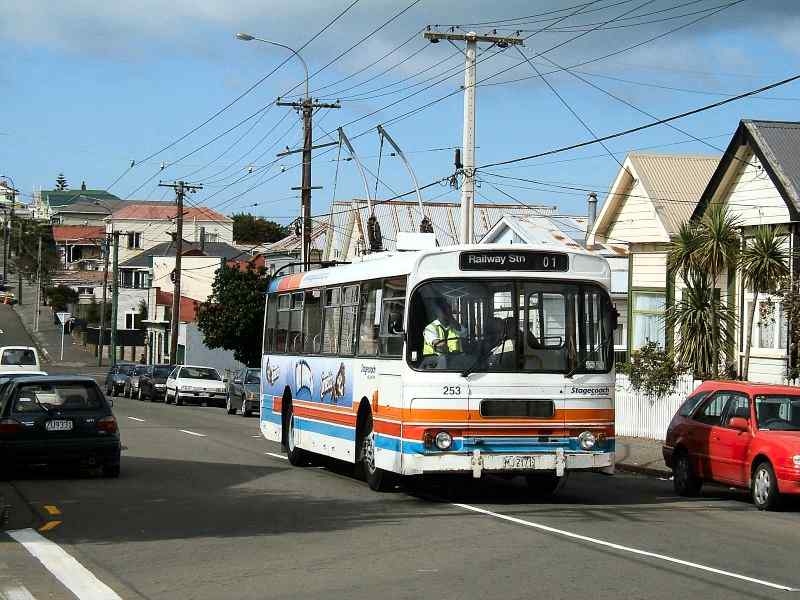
368	371
591	391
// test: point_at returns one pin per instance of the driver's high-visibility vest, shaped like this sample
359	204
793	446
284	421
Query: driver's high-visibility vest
437	332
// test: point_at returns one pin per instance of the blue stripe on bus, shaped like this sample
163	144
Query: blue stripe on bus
330	429
268	415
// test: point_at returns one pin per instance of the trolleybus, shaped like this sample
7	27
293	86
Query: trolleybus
463	359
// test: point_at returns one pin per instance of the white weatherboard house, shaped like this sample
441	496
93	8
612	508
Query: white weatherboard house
649	200
758	179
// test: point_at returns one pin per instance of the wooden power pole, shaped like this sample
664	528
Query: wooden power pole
180	187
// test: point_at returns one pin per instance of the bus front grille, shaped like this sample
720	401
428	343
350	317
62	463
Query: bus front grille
536	409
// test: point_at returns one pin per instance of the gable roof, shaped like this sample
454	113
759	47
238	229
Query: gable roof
213	249
151	211
63	197
83	206
73	233
188	306
777	146
673	183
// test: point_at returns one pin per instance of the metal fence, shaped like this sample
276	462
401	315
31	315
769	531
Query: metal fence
640	416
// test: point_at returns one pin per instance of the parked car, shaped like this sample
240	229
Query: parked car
117	377
244	392
189	383
57	420
131	388
16	358
153	382
739	434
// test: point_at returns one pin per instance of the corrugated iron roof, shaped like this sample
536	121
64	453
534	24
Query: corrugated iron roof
674	183
72	233
780	143
150	211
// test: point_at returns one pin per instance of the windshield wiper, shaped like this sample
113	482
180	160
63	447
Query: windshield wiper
581	364
485	356
43	406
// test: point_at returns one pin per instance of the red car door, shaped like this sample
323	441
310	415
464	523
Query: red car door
702	433
730	446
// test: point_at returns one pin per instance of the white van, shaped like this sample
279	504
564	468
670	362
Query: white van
19	358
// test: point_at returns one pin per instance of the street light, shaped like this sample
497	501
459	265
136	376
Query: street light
246	37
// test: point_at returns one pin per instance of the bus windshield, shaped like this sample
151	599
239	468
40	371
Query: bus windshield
471	325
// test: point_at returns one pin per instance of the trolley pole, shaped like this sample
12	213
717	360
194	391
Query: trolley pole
470	80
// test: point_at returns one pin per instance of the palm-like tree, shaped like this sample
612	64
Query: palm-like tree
700	254
764	263
703	325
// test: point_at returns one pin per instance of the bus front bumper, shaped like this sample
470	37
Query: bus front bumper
557	462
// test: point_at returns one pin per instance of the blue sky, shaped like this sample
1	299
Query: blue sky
91	86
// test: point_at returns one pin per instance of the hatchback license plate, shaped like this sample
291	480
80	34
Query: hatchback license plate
60	425
519	462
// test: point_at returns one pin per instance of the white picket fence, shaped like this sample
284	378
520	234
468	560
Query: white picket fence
640	416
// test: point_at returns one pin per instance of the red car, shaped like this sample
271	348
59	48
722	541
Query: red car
739	434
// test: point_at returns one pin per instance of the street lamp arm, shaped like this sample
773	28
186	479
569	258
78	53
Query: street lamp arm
246	37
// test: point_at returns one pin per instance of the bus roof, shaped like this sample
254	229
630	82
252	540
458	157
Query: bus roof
391	264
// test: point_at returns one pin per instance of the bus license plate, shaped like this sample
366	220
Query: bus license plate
58	425
519	462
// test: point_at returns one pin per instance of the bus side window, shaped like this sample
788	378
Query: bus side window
368	328
391	329
347	341
312	322
284	304
333	318
294	345
271	321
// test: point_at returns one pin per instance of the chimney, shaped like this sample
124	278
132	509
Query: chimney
202	239
83	186
591	213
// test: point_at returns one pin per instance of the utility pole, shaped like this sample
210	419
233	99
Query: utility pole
180	187
114	300
38	285
470	77
19	271
307	107
101	341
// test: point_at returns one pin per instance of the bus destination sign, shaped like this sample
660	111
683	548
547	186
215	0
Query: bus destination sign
513	260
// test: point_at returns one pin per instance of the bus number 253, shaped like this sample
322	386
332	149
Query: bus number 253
451	390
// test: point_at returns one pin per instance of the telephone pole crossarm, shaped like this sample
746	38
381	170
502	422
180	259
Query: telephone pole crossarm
501	40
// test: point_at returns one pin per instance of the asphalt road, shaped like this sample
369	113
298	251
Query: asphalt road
206	508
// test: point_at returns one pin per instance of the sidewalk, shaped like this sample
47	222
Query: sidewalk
640	455
49	335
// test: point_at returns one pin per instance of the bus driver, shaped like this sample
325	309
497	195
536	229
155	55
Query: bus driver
443	336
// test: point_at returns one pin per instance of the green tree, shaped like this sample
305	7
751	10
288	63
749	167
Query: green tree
249	229
700	254
652	371
61	182
25	243
764	263
232	317
60	297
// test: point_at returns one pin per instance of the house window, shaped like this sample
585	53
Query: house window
130	320
648	318
769	325
134	239
212	237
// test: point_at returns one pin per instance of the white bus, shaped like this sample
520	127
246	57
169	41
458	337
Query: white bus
462	359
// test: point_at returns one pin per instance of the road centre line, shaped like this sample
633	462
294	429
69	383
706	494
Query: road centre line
52	510
137	419
598	542
186	431
18	592
274	455
72	574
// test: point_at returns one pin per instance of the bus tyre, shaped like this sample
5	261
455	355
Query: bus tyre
544	485
377	479
297	456
684	480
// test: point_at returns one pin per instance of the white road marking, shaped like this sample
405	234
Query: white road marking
598	542
18	592
75	577
255	436
186	431
273	455
136	419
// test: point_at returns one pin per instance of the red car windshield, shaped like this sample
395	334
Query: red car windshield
780	413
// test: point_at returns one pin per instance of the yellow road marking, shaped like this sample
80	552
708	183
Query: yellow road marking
49	525
53	510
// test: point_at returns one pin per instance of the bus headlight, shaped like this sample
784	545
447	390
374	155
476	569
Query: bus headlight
443	440
587	440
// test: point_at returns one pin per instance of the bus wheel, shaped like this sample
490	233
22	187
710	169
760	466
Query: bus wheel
297	456
544	485
377	479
